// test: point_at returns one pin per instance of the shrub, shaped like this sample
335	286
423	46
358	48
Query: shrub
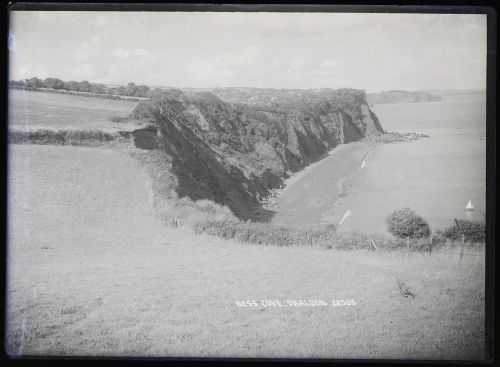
354	240
421	244
439	238
331	227
405	223
62	137
142	111
473	231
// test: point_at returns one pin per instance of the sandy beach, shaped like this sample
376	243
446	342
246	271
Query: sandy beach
308	200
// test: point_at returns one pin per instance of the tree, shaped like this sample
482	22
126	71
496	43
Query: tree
142	91
34	83
84	86
153	93
96	88
53	83
131	89
473	231
72	86
17	83
121	91
405	223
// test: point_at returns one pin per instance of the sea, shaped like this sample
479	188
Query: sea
436	176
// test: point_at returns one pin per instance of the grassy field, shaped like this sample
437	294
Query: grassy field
92	271
35	110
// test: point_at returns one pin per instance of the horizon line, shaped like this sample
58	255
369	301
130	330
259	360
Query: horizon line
160	86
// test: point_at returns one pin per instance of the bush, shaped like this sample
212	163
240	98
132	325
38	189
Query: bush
142	111
265	234
405	223
354	240
439	238
474	231
422	244
62	137
331	227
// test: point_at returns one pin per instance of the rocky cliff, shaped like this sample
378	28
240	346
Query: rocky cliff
233	145
400	96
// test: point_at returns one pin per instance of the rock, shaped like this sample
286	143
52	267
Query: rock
235	153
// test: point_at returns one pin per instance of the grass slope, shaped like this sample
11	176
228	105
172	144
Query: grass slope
91	271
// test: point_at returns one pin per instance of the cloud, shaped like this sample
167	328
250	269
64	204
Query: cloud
136	52
29	70
370	51
328	64
113	18
90	49
203	72
249	56
84	71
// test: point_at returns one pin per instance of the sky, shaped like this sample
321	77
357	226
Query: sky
374	52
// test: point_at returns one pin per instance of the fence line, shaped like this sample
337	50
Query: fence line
469	246
458	253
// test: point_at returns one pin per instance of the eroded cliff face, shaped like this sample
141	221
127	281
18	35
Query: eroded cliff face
235	152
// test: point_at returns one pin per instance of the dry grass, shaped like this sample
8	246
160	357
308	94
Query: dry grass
177	299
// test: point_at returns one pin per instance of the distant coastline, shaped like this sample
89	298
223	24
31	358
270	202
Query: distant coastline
401	96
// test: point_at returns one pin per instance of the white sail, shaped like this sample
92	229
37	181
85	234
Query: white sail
363	164
347	214
469	206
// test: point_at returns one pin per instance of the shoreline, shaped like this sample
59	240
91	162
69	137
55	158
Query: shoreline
329	179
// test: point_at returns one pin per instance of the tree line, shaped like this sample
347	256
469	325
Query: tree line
130	90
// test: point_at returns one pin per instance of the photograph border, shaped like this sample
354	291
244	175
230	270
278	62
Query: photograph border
490	11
